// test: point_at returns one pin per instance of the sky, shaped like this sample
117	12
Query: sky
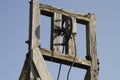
14	23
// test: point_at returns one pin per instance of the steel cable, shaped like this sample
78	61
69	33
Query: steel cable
68	74
60	66
66	36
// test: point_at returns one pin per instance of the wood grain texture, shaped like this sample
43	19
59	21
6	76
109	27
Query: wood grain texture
72	41
49	10
34	24
92	73
34	67
55	37
64	59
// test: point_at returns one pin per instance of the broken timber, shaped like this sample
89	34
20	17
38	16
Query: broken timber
34	67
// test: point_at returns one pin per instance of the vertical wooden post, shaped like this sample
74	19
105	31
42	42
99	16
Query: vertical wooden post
34	24
55	37
92	73
38	65
71	44
36	68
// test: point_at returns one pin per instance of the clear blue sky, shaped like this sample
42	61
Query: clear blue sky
14	22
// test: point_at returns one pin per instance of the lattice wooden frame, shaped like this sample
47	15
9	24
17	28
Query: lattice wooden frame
35	67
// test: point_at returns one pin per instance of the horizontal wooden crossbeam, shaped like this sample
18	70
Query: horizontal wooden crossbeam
64	59
49	11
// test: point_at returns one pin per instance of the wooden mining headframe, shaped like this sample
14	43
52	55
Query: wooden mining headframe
34	67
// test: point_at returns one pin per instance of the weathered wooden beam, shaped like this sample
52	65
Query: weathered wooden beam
92	72
49	10
39	65
56	22
34	24
36	66
71	46
25	71
64	59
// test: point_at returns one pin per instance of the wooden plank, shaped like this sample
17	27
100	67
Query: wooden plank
72	41
55	37
33	41
49	10
34	24
25	70
34	33
39	64
64	59
35	67
92	73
